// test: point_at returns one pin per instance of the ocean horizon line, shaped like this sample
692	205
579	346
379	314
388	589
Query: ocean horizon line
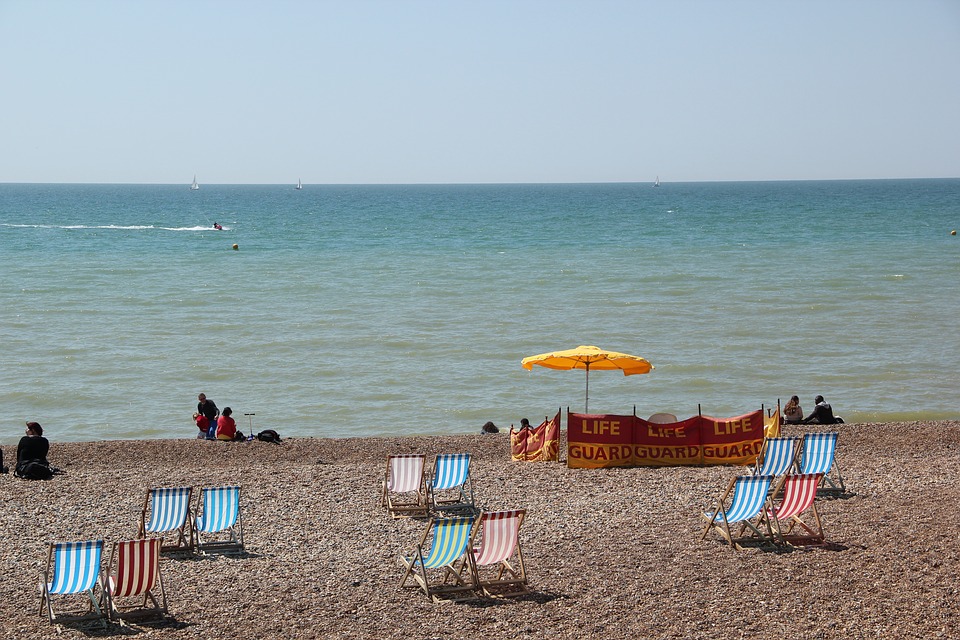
490	183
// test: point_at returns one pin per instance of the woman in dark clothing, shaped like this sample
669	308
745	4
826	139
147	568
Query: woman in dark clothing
32	454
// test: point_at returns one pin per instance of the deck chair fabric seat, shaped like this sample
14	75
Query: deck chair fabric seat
778	457
169	509
662	418
218	523
749	497
73	569
799	497
450	490
404	489
134	573
818	455
497	558
437	570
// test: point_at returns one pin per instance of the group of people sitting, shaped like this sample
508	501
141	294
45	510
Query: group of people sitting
213	424
822	413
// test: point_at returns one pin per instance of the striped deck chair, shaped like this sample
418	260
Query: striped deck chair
799	495
450	489
450	537
497	559
404	491
747	508
134	572
169	512
777	458
818	455
217	520
73	568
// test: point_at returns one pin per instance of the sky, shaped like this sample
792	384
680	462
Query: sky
491	91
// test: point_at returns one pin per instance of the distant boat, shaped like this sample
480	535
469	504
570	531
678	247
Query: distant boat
657	183
194	186
299	185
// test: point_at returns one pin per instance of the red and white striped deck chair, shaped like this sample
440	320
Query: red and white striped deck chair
495	553
134	573
799	496
404	489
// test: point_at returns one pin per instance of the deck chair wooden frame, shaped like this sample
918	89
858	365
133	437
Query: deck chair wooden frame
169	509
450	489
749	504
442	571
778	457
404	485
218	521
133	573
790	520
819	455
73	569
495	555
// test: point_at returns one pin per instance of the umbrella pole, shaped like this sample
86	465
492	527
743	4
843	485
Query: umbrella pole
586	397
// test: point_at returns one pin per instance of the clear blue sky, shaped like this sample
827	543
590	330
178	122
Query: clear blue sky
355	91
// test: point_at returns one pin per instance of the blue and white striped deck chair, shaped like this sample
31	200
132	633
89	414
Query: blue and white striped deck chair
818	455
778	457
73	568
169	512
451	489
748	508
218	523
434	571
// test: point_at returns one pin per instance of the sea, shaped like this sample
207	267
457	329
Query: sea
388	310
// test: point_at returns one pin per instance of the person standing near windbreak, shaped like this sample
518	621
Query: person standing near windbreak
208	409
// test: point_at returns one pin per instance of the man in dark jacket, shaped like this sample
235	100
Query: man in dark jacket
822	413
208	408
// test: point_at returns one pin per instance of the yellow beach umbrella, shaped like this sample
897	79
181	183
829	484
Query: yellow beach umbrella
587	358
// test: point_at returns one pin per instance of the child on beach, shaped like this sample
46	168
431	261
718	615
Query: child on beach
203	424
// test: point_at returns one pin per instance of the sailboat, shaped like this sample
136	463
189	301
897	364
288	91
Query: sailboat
194	186
657	183
299	185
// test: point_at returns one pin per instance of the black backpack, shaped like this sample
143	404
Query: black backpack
34	470
269	435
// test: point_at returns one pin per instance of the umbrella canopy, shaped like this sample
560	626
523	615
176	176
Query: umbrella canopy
587	358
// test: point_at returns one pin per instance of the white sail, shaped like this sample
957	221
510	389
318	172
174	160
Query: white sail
657	183
194	186
299	184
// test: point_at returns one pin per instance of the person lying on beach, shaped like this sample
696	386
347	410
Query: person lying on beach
822	413
792	413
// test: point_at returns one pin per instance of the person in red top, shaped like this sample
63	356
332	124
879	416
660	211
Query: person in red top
226	425
203	424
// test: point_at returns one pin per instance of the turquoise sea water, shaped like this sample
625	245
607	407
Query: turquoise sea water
371	310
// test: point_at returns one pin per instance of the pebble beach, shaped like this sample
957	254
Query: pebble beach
612	553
